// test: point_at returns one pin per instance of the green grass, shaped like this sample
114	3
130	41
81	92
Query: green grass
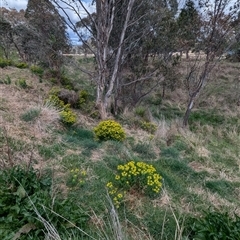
192	181
30	115
145	151
167	112
225	189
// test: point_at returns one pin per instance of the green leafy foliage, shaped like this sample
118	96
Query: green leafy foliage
22	193
139	176
214	226
109	130
18	186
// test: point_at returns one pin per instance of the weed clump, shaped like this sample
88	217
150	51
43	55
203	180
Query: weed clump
7	80
5	62
26	200
21	65
68	117
148	127
22	83
30	115
83	97
76	178
138	176
37	70
109	130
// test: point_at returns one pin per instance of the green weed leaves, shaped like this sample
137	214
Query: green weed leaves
26	200
215	225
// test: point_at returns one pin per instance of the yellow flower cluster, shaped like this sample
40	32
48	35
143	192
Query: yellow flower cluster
77	177
141	174
109	130
115	193
68	117
138	175
149	127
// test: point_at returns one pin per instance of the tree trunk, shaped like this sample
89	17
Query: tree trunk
187	54
188	111
118	59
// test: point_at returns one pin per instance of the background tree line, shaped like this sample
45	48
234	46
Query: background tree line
133	43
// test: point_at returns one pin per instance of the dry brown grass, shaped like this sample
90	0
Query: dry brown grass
17	101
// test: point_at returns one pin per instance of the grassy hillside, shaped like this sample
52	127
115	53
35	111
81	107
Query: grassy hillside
60	190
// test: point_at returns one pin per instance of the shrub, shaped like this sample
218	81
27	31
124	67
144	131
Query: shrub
140	111
139	176
55	101
65	81
109	130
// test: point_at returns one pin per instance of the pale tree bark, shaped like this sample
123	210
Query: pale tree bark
105	13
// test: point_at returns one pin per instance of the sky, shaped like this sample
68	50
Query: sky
18	4
22	4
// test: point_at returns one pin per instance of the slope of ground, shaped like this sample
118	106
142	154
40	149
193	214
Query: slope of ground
199	165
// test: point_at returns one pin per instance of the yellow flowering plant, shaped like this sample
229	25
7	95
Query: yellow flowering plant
149	127
76	177
68	117
139	176
109	130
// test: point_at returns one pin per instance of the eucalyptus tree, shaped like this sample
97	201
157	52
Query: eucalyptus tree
189	25
49	31
6	37
122	32
215	39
